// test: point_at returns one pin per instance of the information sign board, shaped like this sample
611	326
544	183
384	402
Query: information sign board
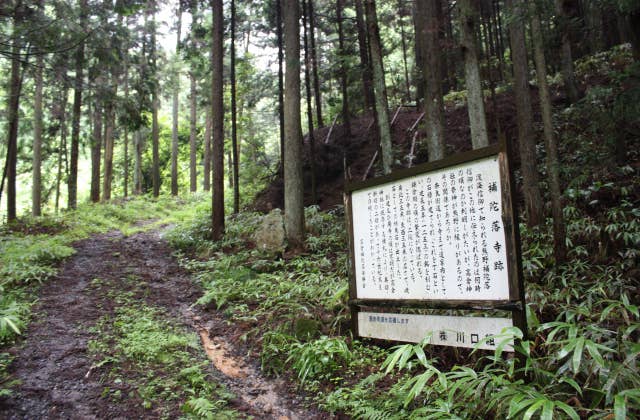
436	235
441	235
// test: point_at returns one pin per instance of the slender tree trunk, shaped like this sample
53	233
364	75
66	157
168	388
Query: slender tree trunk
193	174
234	114
380	90
137	170
343	69
475	102
36	202
175	109
403	41
419	29
217	213
568	75
307	80
96	147
62	148
553	162
314	62
293	182
207	150
433	102
126	130
526	135
110	120
155	104
280	81
365	62
77	109
13	114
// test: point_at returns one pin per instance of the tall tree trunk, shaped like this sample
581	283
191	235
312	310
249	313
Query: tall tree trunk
314	62
346	119
526	135
380	90
36	202
280	81
553	162
568	75
110	121
419	27
234	114
62	147
403	40
217	213
125	183
137	170
293	182
433	102
475	102
155	104
175	106
365	62
207	150
307	80
13	106
96	147
77	109
193	163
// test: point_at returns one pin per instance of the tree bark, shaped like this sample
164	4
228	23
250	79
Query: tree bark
155	104
551	145
403	41
234	114
293	181
307	80
524	110
125	183
314	63
380	90
96	147
568	75
137	170
365	62
175	108
13	106
217	213
36	202
108	148
207	150
475	102
193	163
346	119
280	82
433	102
77	109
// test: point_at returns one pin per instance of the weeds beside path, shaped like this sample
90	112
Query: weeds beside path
113	336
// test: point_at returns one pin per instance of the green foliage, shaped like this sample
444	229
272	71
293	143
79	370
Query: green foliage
319	358
163	361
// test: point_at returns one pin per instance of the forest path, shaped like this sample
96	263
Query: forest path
60	378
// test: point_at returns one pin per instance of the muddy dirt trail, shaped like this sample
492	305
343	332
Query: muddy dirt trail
58	378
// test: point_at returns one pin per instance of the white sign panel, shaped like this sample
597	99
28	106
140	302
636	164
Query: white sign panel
437	235
456	331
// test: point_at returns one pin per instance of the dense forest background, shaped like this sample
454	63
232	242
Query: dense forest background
214	110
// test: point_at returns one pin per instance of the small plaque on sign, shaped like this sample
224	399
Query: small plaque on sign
456	331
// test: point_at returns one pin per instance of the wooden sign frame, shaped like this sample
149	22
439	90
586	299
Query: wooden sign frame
516	301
